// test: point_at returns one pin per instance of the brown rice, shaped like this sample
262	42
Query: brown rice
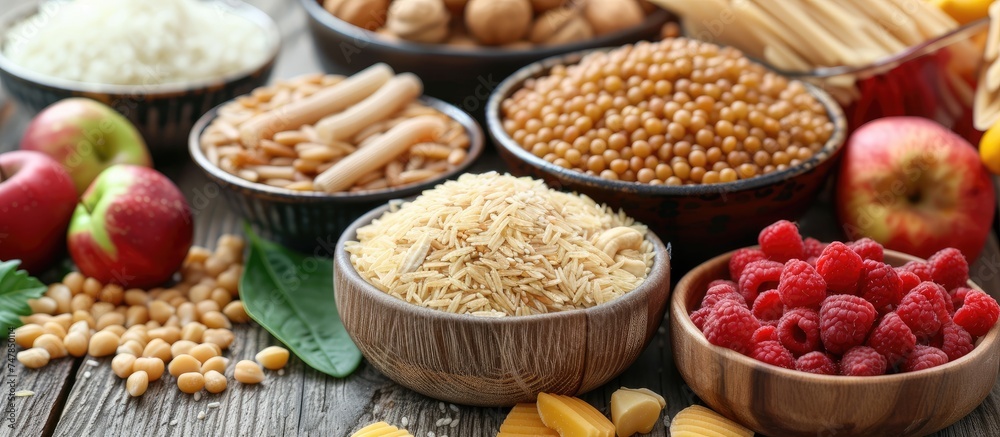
496	245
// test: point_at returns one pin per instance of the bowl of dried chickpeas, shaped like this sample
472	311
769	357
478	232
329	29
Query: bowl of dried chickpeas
304	157
702	144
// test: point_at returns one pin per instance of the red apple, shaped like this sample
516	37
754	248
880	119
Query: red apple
916	187
36	202
133	227
86	137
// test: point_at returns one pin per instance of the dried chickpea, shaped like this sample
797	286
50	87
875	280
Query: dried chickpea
173	322
136	315
229	280
191	382
183	364
113	294
157	348
34	358
215	382
137	333
118	330
203	352
63	297
215	320
103	343
221	296
110	319
236	312
169	334
160	311
137	383
122	364
272	357
25	335
193	332
248	372
152	366
181	347
101	308
54	329
199	293
85	316
81	302
221	337
206	306
76	343
92	287
217	364
132	347
136	296
63	319
52	344
187	313
74	281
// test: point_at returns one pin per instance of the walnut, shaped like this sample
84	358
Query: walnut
367	14
560	26
607	16
543	5
498	22
419	20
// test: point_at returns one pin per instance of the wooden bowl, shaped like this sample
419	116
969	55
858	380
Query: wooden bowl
780	402
481	361
164	113
699	221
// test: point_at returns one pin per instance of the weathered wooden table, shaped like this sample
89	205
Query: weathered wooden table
76	399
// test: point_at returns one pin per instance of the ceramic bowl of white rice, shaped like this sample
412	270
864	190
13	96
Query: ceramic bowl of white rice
161	63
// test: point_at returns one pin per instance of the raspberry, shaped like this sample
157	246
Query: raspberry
764	333
958	296
800	285
868	249
956	342
892	338
939	298
798	330
880	285
740	259
781	241
919	314
768	307
721	292
924	357
773	353
978	314
699	316
813	247
756	274
816	362
723	281
731	325
840	267
949	268
908	280
844	321
862	361
919	268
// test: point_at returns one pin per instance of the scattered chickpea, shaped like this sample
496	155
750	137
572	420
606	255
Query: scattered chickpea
25	335
152	366
137	383
122	364
84	315
33	358
113	294
110	319
273	357
81	302
215	319
54	329
134	347
43	305
118	330
203	352
221	337
63	297
76	343
183	364
181	347
169	334
236	312
157	348
191	382
103	343
215	382
217	364
160	311
74	281
248	372
193	332
52	344
206	306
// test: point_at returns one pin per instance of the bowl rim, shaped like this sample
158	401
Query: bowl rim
513	83
660	271
678	311
244	10
472	128
322	16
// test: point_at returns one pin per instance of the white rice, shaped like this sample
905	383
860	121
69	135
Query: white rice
135	42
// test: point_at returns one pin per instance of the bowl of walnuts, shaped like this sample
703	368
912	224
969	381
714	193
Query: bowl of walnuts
462	49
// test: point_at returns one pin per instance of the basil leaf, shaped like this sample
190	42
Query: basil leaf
291	296
16	287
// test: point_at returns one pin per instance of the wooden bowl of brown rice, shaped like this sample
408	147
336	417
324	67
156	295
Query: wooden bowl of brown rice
496	361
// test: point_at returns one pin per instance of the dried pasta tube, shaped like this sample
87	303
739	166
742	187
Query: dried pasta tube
390	98
313	108
380	152
699	421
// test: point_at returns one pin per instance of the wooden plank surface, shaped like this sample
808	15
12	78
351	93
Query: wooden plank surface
304	401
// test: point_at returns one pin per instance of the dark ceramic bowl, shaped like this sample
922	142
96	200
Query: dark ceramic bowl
462	75
300	219
164	114
698	220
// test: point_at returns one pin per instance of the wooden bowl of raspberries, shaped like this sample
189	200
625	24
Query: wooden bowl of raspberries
796	337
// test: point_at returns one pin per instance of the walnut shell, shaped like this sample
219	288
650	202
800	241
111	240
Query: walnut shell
366	14
560	26
607	16
543	5
498	22
419	20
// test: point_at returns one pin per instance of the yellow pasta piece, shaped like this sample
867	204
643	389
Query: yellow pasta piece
635	411
381	429
571	416
523	420
698	421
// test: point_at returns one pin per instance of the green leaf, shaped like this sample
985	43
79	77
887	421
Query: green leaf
16	287
291	296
